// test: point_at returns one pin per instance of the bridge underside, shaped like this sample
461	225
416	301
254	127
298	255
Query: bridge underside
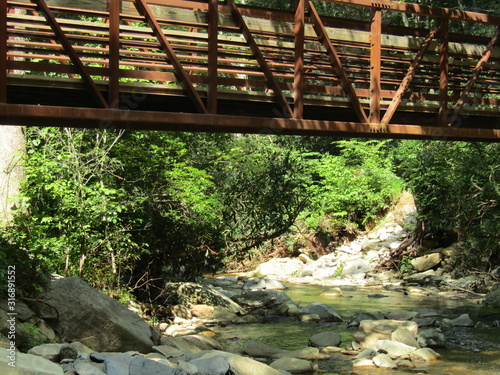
217	67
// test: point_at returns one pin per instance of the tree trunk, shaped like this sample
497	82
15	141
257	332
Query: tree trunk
12	150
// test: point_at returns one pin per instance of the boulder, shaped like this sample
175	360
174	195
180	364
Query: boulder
492	299
144	366
395	349
262	299
431	337
27	364
426	262
258	349
247	366
356	267
281	267
79	312
118	364
404	336
425	354
211	365
384	361
83	367
254	283
47	351
294	365
387	326
326	338
462	321
325	312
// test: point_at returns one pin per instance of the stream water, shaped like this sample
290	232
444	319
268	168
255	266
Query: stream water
469	351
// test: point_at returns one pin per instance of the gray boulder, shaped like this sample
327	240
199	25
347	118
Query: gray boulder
247	366
294	365
492	299
325	312
262	299
27	364
326	338
426	262
79	312
431	337
395	349
384	361
212	365
144	366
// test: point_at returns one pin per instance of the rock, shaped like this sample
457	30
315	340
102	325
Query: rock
425	354
262	299
254	283
273	284
363	362
326	338
311	354
462	321
118	365
213	365
83	367
426	262
431	337
310	318
395	349
404	336
333	292
257	349
23	312
281	267
325	312
424	278
402	315
294	365
384	361
68	351
386	326
367	353
47	351
357	267
144	366
177	346
201	311
492	299
27	364
93	318
180	311
357	318
248	366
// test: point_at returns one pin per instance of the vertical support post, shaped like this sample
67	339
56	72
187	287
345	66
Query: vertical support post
298	81
114	53
213	52
3	51
444	37
375	64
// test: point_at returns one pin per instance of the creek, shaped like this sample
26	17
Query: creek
469	351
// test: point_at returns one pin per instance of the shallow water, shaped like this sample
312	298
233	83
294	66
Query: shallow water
469	351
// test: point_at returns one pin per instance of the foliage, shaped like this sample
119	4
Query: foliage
353	188
30	336
457	188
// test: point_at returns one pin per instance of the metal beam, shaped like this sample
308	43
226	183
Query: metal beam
337	64
298	78
444	38
68	48
475	75
114	53
405	83
143	9
213	54
3	51
375	64
30	115
268	73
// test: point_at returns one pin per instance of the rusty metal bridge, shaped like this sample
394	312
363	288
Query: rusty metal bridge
218	66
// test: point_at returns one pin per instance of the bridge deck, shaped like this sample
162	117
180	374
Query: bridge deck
210	66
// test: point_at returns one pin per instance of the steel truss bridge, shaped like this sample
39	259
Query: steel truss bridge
222	67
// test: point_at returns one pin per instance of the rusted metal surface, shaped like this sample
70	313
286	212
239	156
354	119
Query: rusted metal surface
177	58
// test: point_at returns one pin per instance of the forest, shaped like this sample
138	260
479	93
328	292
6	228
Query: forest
128	210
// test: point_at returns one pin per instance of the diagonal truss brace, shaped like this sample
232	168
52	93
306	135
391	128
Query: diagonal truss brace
405	83
475	75
143	9
273	83
337	64
70	51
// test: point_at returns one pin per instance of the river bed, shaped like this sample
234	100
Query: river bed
469	351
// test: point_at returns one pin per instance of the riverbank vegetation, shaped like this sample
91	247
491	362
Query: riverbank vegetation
127	210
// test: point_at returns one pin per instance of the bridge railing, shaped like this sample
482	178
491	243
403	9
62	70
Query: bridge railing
214	51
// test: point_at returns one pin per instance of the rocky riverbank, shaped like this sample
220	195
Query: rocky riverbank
73	329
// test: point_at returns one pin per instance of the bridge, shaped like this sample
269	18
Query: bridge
224	67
